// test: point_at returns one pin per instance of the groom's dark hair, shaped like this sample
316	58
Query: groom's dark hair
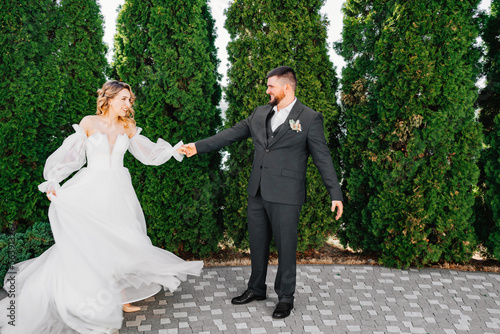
285	72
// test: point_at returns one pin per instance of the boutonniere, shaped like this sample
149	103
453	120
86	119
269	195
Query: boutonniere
295	126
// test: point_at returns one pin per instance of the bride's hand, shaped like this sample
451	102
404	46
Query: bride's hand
53	192
190	149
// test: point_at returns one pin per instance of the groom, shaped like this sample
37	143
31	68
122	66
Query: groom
284	133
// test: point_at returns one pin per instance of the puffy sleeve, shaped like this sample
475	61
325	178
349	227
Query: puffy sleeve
65	160
150	153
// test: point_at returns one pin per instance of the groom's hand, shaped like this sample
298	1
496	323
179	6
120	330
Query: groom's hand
340	208
189	149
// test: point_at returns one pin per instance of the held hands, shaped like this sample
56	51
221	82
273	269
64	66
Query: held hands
340	209
188	149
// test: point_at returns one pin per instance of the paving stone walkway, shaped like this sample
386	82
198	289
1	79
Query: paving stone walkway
329	299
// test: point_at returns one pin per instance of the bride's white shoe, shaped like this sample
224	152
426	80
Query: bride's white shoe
129	308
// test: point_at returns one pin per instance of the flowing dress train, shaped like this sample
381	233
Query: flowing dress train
102	256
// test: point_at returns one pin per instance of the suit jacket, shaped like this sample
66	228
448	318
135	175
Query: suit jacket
280	163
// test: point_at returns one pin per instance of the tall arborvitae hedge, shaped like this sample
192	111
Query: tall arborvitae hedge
165	51
30	91
265	35
488	221
52	62
82	58
411	142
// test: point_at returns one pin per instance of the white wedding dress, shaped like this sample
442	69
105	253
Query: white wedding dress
102	256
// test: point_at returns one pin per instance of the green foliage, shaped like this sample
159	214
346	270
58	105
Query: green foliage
488	202
412	141
52	62
165	51
31	88
265	35
492	171
82	58
18	247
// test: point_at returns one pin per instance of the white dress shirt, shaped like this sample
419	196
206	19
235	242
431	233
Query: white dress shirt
280	116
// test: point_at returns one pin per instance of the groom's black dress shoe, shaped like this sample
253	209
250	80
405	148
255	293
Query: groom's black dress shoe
282	310
246	297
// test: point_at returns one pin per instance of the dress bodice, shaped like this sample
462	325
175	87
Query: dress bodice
100	153
97	151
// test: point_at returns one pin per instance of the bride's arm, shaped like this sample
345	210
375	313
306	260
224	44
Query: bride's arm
69	157
150	153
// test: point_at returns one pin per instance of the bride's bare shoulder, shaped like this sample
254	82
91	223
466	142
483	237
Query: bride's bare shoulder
88	123
131	130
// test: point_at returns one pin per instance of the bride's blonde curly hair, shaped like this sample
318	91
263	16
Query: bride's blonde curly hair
107	92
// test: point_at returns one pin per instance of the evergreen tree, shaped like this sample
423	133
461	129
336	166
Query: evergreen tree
31	92
412	141
264	35
82	58
488	222
165	51
362	29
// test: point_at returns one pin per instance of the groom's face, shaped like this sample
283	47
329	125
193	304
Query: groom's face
275	90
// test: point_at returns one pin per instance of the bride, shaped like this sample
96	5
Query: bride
102	257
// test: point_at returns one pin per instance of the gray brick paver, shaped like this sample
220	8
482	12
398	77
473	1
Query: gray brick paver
329	299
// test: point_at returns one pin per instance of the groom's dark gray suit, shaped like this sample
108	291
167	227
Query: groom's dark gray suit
277	186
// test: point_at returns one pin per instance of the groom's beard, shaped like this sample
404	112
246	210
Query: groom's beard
276	99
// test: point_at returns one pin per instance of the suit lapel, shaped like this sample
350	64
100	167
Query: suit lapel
294	114
263	125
